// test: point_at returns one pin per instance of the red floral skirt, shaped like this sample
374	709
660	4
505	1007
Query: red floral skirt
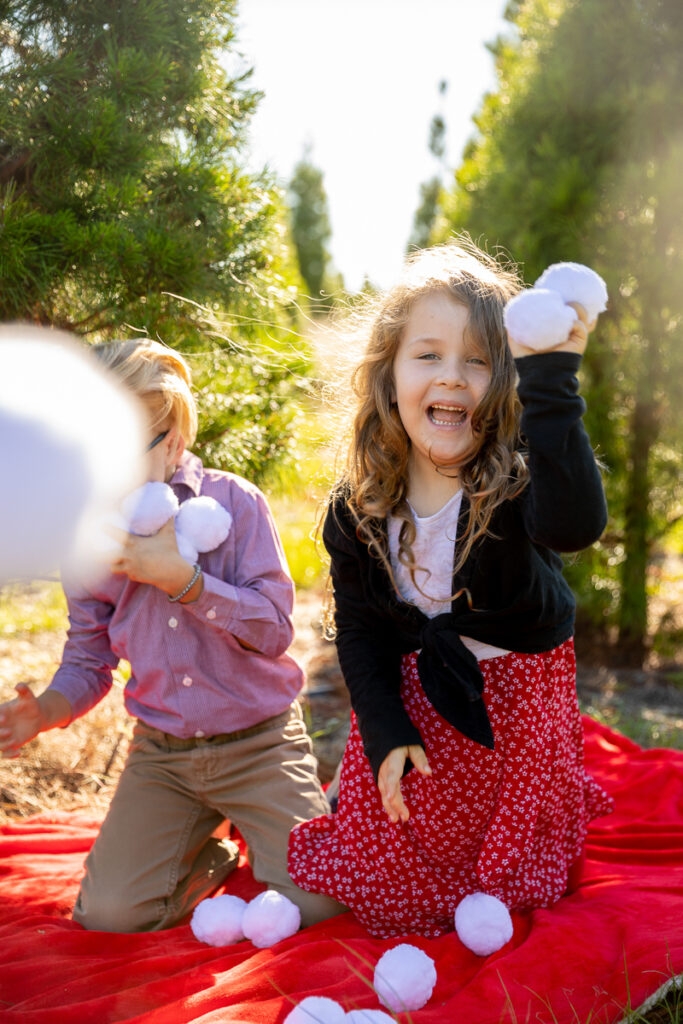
509	822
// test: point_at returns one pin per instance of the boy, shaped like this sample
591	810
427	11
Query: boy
218	733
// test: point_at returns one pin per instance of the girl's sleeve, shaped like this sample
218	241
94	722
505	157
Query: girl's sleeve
564	502
370	661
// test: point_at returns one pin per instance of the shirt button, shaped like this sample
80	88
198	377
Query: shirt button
173	622
198	735
187	680
211	614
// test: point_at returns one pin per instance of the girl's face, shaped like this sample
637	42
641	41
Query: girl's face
440	376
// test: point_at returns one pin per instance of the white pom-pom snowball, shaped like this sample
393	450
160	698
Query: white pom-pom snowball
538	318
404	978
186	548
269	918
218	921
483	923
316	1010
203	522
576	283
149	507
368	1017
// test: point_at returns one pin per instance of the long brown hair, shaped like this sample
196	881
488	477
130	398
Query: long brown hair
376	473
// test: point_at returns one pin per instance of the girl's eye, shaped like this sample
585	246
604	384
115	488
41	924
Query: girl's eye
428	355
477	361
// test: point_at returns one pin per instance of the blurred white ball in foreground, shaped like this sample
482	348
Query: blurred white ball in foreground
404	978
316	1010
71	447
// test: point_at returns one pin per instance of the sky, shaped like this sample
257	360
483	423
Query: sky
358	82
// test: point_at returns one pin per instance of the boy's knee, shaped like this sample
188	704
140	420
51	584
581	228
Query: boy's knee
110	913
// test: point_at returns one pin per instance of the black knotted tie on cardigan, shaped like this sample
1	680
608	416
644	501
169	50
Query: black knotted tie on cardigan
452	680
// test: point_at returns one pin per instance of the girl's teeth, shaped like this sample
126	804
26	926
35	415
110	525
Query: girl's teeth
447	417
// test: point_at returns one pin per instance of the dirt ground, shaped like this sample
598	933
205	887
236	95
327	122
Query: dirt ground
77	768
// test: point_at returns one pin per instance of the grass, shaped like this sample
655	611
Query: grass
32	608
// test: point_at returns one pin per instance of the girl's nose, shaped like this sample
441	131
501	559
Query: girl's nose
451	374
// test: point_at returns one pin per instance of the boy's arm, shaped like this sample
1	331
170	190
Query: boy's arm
255	604
23	718
84	676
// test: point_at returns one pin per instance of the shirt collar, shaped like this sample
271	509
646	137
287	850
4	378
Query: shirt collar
189	473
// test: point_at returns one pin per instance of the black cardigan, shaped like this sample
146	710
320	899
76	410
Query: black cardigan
519	598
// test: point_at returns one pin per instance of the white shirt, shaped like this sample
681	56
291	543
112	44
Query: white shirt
433	550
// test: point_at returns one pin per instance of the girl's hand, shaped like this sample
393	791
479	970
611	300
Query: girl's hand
21	720
576	340
155	560
389	779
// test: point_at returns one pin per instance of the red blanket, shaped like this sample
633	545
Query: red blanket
618	938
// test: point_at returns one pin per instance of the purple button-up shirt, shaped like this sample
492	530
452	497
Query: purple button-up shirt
190	675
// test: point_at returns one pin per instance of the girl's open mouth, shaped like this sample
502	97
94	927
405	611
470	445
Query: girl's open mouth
447	415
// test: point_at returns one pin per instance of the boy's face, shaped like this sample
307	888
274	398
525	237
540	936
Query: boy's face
164	449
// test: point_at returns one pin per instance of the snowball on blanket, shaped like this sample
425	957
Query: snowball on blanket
483	923
269	918
218	921
316	1010
368	1017
538	318
404	978
576	283
148	508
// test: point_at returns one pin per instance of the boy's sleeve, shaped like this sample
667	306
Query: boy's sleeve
256	605
564	502
84	676
369	660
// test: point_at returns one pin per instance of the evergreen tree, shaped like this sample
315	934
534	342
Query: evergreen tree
577	157
311	231
123	188
427	211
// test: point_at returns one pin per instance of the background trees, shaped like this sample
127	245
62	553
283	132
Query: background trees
311	232
577	157
123	189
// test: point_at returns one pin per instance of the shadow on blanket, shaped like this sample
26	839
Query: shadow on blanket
619	936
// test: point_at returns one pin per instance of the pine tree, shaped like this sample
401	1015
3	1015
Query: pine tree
125	205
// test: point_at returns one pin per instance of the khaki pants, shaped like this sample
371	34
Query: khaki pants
155	859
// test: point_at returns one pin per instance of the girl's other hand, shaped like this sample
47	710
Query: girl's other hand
576	340
390	775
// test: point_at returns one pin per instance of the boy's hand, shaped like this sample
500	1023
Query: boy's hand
21	720
576	340
155	560
389	779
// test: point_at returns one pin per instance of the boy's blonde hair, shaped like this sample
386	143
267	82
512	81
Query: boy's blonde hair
377	462
159	376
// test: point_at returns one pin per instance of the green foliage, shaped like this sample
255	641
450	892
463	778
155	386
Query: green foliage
311	232
577	157
125	206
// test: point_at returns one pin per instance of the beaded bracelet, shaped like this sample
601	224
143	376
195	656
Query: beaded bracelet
195	576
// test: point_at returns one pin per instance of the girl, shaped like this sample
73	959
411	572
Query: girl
467	471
